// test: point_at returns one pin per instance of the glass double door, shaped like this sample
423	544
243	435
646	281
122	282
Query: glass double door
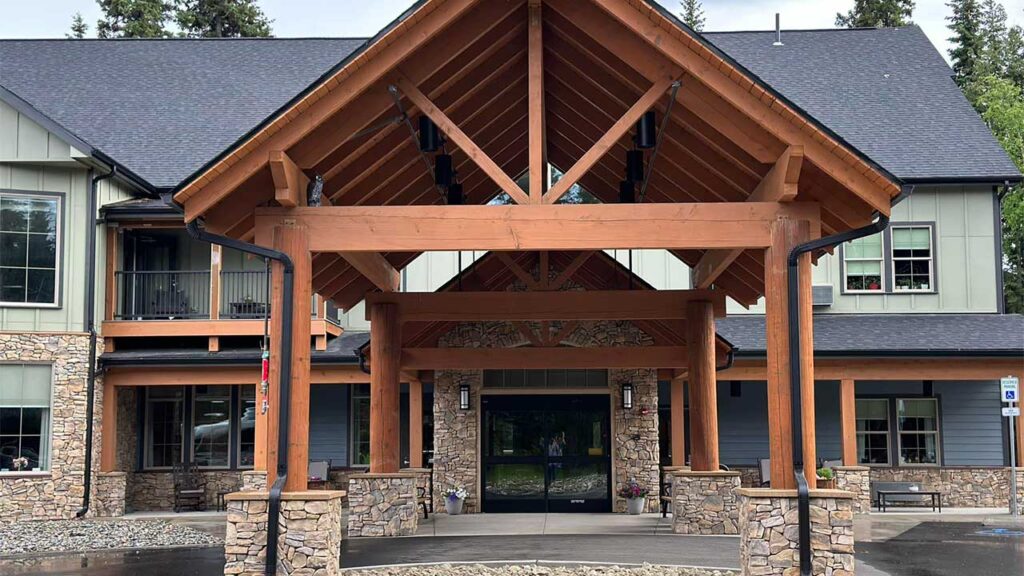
546	453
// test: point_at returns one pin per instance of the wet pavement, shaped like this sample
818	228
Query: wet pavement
163	562
948	549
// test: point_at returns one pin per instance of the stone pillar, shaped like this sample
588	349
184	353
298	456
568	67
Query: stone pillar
705	502
382	504
254	481
309	539
1020	491
108	494
635	435
857	481
769	532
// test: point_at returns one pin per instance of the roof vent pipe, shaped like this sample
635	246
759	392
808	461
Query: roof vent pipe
778	31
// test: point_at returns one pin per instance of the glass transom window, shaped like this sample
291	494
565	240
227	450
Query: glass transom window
863	260
912	258
29	248
24	417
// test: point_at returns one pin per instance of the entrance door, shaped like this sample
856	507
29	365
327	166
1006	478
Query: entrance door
548	453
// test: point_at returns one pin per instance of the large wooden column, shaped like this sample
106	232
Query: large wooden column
385	359
677	402
415	424
848	421
108	438
293	241
700	341
785	235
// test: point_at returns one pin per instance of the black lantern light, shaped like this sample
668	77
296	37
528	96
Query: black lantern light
627	396
627	192
646	130
463	396
430	136
443	170
635	165
455	197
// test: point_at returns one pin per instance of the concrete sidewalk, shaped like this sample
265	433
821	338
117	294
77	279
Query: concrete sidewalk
541	524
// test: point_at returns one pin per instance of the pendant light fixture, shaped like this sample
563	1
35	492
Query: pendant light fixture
635	165
646	130
627	192
455	194
430	136
443	170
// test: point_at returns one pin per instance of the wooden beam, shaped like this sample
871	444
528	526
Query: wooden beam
376	269
524	276
610	138
677	404
289	181
700	338
527	332
108	429
848	420
386	349
415	424
531	358
533	227
539	306
248	375
889	369
203	328
464	142
538	152
569	270
110	294
779	185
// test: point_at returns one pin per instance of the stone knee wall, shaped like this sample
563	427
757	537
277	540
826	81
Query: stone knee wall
857	481
154	491
108	498
769	533
1020	491
309	540
254	481
979	487
382	505
58	492
705	502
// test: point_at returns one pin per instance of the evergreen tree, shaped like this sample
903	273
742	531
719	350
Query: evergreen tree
221	19
965	23
78	27
877	14
1013	52
693	14
992	53
134	18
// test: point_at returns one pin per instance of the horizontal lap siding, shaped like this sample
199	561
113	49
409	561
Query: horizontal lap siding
972	427
329	423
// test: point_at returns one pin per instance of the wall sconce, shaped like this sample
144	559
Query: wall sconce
627	396
463	396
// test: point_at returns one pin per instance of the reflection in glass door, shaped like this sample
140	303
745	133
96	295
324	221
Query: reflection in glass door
546	454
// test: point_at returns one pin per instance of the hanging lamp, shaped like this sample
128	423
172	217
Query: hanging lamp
635	165
627	192
646	130
443	170
455	197
430	136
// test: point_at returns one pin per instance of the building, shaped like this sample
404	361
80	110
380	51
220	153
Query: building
909	333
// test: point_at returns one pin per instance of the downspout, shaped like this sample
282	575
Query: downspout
285	375
362	359
90	326
793	275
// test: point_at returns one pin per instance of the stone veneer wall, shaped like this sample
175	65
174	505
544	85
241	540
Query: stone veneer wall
769	533
857	481
58	492
254	481
108	498
705	502
154	491
635	449
1020	491
310	534
382	504
750	476
983	487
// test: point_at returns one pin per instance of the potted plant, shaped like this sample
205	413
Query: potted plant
826	478
635	495
453	499
20	463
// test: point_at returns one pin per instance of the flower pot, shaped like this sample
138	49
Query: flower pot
453	507
635	505
829	484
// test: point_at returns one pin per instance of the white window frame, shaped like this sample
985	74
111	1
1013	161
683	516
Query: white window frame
881	270
888	432
58	271
930	259
899	434
47	433
192	435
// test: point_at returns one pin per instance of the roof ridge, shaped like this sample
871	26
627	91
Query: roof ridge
798	30
183	40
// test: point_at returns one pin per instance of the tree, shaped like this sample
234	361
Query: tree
877	14
965	23
78	27
221	19
1013	51
993	34
134	18
693	14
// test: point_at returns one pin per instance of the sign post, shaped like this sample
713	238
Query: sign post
1009	393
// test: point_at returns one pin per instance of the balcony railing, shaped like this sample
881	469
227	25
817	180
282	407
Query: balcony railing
243	294
163	295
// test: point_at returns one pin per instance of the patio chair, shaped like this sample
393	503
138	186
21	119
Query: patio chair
831	464
764	467
189	487
319	472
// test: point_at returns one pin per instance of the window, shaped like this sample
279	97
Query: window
360	455
873	431
912	258
211	426
863	259
918	422
247	427
24	417
29	248
164	431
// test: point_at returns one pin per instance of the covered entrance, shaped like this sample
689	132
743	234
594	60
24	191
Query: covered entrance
546	453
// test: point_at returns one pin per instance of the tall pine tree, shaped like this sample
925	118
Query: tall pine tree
693	14
78	27
965	23
134	18
221	19
877	14
992	52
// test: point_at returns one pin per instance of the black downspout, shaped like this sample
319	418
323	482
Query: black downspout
793	280
90	326
284	384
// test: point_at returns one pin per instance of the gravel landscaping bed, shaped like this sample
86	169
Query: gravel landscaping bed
536	570
83	535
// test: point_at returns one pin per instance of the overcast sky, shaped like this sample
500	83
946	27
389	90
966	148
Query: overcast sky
51	18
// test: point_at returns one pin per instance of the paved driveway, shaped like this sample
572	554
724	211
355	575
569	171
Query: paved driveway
948	549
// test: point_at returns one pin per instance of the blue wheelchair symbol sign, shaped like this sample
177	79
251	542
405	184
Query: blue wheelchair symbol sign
1010	395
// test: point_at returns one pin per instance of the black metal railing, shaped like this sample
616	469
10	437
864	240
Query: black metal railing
243	294
332	314
162	295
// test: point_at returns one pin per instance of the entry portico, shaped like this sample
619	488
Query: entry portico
736	178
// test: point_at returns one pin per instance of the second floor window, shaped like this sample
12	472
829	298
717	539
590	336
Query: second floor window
863	260
912	258
29	249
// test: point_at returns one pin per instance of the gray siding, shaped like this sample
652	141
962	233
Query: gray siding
971	424
329	423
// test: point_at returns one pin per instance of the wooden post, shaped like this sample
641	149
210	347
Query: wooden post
108	454
677	403
786	234
848	420
215	267
110	300
537	152
415	424
386	352
700	339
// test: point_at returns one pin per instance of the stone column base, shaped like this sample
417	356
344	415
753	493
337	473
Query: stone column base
857	481
769	532
309	537
382	504
705	502
108	494
254	481
1020	490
